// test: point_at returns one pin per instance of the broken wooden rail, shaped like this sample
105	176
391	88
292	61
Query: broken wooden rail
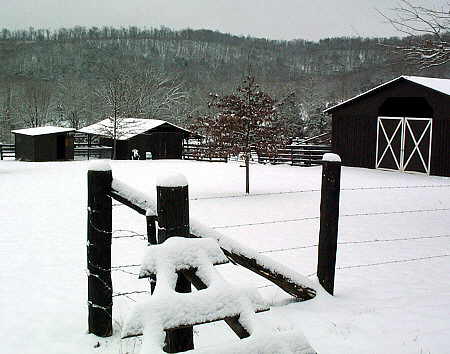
102	188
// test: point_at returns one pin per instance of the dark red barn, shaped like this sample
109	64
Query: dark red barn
401	125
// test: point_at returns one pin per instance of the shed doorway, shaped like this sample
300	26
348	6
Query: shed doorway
60	147
404	144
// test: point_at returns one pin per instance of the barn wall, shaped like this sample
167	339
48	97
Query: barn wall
164	142
354	125
162	145
440	148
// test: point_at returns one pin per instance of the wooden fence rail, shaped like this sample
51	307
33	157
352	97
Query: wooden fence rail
102	188
297	155
81	151
203	153
7	150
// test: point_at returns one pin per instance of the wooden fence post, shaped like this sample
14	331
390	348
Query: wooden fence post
151	239
329	217
173	220
99	237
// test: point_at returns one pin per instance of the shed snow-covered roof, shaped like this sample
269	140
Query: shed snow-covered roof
126	127
42	130
440	85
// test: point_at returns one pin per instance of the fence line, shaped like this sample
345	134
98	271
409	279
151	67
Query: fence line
407	260
394	261
356	242
318	190
318	217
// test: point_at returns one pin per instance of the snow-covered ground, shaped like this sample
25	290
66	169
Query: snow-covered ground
392	292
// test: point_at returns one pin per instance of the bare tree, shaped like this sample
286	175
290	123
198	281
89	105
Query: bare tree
429	31
132	93
36	103
116	92
73	102
6	111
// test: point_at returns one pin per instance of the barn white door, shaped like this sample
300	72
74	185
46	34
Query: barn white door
404	144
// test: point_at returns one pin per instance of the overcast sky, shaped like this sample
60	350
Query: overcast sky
274	19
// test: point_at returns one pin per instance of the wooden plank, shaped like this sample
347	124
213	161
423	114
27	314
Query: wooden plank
232	320
117	196
294	289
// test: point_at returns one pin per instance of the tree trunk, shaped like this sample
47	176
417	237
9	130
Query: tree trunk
247	173
114	149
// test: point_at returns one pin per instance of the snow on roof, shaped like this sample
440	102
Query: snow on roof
440	85
126	128
42	130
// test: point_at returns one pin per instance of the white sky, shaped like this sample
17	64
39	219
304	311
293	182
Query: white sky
275	19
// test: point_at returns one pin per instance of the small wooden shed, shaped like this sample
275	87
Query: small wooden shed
150	138
401	125
44	144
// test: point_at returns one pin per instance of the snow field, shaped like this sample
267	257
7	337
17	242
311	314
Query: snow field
379	307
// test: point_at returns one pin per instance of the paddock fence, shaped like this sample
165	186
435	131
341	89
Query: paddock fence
7	151
296	155
82	151
168	217
201	152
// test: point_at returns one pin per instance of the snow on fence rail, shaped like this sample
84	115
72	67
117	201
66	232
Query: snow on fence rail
102	188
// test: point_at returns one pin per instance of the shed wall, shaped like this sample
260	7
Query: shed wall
24	147
43	147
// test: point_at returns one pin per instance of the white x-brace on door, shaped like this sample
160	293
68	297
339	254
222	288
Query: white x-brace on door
404	144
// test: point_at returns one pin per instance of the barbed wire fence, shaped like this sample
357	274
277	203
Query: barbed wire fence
132	270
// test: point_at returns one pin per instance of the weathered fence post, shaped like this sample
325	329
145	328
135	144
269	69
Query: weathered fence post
99	236
329	217
151	240
173	220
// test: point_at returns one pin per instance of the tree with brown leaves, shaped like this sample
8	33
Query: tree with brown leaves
246	121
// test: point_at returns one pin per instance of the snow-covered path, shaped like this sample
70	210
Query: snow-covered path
392	283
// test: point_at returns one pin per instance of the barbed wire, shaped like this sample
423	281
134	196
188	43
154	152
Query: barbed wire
131	293
393	261
373	265
318	217
355	242
318	190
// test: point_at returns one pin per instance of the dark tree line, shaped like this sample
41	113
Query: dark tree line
56	76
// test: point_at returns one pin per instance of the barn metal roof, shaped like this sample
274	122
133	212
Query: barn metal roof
440	85
126	127
42	130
